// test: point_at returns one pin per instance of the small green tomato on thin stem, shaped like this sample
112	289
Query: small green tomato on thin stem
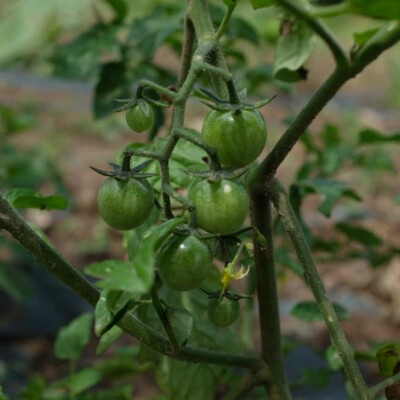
140	117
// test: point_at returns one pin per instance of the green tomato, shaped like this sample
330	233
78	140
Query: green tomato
222	312
183	262
238	137
221	206
125	204
140	117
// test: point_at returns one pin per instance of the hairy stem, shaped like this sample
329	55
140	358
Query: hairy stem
282	204
187	50
271	349
49	257
225	21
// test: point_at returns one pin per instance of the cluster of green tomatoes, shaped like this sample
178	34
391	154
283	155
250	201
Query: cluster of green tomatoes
221	205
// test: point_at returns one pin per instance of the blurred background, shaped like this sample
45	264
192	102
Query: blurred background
60	67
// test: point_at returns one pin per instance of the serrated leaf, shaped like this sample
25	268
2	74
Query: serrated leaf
26	198
309	311
108	339
71	339
317	378
120	275
331	189
371	136
182	323
360	234
293	50
261	3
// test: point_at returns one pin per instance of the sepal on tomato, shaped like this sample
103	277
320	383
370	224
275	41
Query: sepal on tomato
223	105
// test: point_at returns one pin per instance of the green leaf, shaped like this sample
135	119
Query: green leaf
119	275
71	339
80	381
309	311
82	58
13	121
384	9
371	136
34	389
2	397
333	358
360	234
182	323
110	307
108	339
332	190
118	393
181	380
113	83
293	49
317	378
149	33
388	357
26	198
361	38
16	283
152	240
261	3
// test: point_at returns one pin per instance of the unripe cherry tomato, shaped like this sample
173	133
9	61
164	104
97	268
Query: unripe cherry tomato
125	204
223	312
221	206
238	137
140	117
183	262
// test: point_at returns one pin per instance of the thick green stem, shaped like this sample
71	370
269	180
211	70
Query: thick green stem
48	256
271	350
279	197
284	145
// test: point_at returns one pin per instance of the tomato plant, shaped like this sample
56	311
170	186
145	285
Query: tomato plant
189	201
238	136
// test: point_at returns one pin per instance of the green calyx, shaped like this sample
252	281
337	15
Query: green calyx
228	294
215	176
124	172
223	105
